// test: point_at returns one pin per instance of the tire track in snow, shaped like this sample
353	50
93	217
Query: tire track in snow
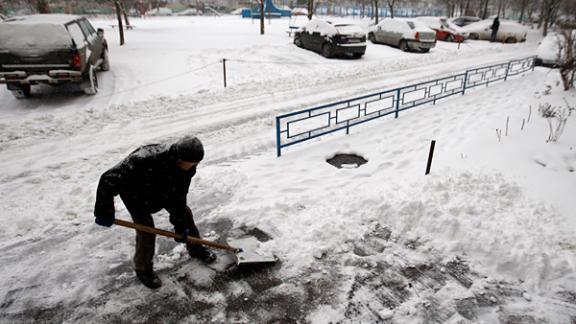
232	114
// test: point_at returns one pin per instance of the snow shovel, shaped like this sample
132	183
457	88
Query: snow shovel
247	255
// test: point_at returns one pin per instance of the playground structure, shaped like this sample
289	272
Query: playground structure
270	11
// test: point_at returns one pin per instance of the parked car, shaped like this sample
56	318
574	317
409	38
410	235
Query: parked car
189	12
509	31
51	49
549	50
161	11
464	20
406	34
445	30
331	39
299	12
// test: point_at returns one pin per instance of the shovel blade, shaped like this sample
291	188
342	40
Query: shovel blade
251	253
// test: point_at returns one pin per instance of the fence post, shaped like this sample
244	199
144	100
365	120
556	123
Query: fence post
278	148
430	155
533	63
507	70
224	68
465	82
397	102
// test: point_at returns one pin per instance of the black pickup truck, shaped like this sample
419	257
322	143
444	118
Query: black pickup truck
51	49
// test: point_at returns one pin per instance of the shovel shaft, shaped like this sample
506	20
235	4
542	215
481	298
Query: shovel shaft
189	239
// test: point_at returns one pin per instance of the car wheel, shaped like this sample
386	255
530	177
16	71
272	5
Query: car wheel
24	92
474	36
358	55
425	50
327	50
297	41
105	66
372	38
511	40
92	87
403	45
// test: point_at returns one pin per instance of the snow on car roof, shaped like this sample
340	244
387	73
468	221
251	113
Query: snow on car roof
56	19
34	35
322	26
417	24
349	29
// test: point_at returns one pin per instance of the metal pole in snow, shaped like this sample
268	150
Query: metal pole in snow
430	155
224	68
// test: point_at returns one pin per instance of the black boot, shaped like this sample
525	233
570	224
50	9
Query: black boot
149	279
201	253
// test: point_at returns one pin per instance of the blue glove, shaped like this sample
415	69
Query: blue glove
184	234
104	221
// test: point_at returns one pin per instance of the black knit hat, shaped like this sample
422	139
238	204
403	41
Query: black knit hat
189	149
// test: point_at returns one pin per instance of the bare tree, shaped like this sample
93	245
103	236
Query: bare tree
261	17
119	17
362	8
485	9
522	6
391	4
310	9
123	7
376	11
548	14
566	56
531	8
43	6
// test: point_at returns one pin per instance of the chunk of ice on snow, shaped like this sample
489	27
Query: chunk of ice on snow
386	314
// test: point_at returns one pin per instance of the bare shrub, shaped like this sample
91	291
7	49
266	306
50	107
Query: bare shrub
556	116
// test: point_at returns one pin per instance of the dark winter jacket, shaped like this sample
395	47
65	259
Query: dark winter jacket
147	180
495	25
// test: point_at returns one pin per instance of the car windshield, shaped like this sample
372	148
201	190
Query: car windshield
348	29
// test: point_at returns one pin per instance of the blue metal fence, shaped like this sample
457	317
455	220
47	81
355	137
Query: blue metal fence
304	125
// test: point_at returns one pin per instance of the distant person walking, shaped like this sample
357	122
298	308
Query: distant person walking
495	26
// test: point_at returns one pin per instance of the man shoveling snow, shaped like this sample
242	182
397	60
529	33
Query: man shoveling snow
152	178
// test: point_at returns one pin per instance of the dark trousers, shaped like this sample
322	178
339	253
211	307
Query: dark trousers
493	36
146	242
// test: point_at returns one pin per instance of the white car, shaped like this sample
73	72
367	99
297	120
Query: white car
160	12
509	31
406	34
189	12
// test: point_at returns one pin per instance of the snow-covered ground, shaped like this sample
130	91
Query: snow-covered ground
488	236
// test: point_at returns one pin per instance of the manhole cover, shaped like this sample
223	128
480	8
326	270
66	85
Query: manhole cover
346	161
